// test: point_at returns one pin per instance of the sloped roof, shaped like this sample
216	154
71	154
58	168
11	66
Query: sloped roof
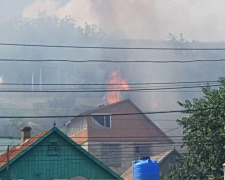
128	174
152	132
101	107
15	150
20	149
161	157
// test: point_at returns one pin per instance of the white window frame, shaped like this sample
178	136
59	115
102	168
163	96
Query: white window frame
104	127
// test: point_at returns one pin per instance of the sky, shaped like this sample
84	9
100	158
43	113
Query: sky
201	20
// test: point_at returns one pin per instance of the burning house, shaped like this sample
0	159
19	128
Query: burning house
117	134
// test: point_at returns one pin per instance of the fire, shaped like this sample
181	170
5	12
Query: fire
115	81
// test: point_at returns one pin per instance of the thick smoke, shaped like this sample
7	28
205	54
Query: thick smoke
51	30
133	19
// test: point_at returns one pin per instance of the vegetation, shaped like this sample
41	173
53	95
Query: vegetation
204	136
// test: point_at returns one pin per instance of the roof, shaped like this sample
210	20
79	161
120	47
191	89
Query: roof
128	174
101	107
19	150
151	131
161	157
15	150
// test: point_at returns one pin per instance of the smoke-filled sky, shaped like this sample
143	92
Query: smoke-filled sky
121	20
201	20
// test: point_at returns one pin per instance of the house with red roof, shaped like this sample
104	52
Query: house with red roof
117	134
51	155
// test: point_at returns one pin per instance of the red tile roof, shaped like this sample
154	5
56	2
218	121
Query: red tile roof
16	150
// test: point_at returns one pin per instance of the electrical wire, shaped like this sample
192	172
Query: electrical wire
108	90
113	84
115	114
111	47
111	61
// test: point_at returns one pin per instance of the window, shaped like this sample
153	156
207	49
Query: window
53	149
101	121
141	151
111	155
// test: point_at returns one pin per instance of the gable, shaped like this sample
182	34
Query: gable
56	156
20	149
128	123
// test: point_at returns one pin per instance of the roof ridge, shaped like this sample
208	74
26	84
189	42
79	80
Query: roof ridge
105	106
97	109
25	146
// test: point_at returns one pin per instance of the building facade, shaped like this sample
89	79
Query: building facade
51	155
117	134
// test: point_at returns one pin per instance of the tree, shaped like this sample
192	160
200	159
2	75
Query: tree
46	29
204	136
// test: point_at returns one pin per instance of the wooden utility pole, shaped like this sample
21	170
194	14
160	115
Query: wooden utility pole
8	168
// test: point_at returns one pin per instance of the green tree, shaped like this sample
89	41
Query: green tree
204	136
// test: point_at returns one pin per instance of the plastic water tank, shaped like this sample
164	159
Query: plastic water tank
146	169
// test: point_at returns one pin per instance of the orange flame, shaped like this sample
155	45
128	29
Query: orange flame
115	81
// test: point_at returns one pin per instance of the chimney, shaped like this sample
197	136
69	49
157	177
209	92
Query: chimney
25	134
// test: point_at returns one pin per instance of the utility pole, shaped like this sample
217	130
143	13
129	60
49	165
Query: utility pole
8	168
224	171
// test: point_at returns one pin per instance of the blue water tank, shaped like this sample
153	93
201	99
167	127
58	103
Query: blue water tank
146	169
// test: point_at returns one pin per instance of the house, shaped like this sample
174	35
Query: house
164	160
117	134
51	155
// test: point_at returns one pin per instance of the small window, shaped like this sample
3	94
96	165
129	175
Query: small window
101	121
53	149
141	151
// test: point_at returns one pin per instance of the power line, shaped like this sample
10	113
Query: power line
111	47
106	84
120	114
99	157
11	125
110	90
110	61
127	137
139	143
157	143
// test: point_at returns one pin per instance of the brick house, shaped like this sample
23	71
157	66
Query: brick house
51	155
117	134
